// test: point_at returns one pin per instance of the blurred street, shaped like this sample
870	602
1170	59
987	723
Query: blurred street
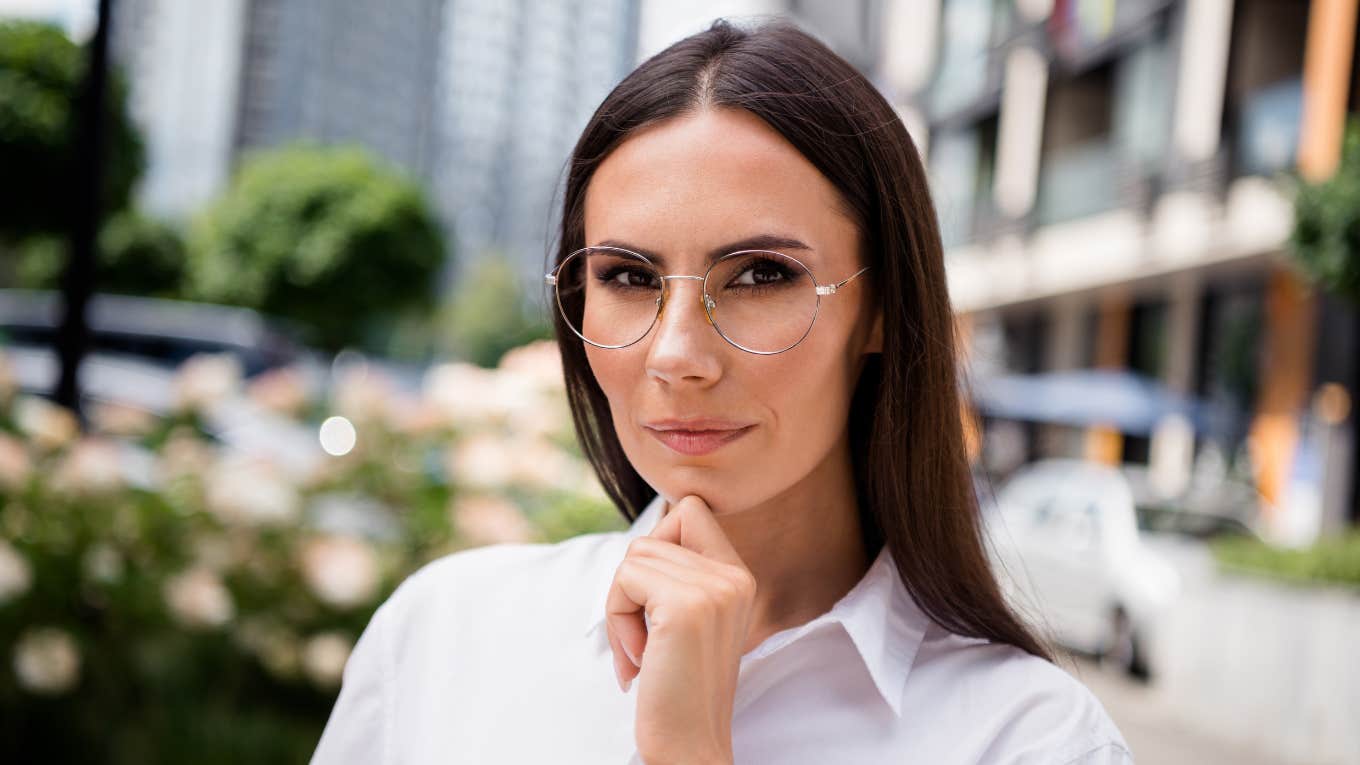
1156	735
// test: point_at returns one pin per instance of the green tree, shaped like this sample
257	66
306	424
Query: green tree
138	255
326	236
41	71
490	314
1326	236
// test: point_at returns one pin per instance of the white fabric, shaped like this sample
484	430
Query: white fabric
499	655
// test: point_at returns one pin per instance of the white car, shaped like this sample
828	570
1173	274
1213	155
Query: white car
1064	541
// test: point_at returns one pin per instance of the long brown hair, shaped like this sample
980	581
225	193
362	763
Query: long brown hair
914	488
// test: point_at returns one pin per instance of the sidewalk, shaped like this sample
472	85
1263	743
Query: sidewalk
1153	732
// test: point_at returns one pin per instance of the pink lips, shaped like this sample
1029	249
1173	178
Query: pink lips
698	441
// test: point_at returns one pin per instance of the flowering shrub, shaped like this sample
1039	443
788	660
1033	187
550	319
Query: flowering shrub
168	595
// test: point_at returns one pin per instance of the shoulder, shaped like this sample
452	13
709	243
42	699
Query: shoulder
1022	708
482	581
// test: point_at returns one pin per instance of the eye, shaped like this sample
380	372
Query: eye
762	272
627	277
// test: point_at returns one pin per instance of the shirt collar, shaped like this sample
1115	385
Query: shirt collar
880	616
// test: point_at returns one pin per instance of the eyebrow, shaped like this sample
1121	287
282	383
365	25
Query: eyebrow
757	242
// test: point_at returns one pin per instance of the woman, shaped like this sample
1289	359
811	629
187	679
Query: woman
757	341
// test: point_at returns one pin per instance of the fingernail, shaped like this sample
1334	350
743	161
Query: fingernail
630	655
626	684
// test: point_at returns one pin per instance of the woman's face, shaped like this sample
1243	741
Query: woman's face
685	188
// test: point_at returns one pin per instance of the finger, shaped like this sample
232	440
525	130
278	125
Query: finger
635	584
653	548
624	670
690	523
648	579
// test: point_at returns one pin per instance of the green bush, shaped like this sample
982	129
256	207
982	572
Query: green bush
164	599
323	235
1332	559
490	314
40	78
1326	235
137	255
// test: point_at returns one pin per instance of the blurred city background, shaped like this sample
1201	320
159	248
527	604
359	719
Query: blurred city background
272	335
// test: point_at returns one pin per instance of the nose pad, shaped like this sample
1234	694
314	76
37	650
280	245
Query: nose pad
708	303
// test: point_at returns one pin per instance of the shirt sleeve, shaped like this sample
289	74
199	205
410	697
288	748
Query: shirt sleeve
1110	753
357	730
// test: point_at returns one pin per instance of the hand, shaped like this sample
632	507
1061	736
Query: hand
698	598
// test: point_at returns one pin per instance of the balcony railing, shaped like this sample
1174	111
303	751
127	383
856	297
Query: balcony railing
1077	181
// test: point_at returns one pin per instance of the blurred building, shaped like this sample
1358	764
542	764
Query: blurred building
212	80
479	100
1112	178
520	78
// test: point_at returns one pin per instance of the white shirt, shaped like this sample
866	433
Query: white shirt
499	655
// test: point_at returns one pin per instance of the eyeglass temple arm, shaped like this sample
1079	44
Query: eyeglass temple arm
830	289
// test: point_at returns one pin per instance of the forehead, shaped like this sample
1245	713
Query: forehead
692	183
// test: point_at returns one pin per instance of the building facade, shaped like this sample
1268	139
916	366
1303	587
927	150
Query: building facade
1113	179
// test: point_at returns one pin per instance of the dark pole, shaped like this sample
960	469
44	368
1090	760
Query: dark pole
77	283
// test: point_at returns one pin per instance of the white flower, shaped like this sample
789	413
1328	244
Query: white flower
93	466
283	390
103	563
197	598
117	419
15	574
363	395
205	380
47	425
542	465
324	657
250	490
184	455
274	645
540	361
486	520
8	384
465	393
482	460
15	464
590	485
46	660
340	569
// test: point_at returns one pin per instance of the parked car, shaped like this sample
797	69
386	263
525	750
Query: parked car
1066	545
165	332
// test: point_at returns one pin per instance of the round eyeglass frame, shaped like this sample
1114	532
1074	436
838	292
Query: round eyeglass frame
550	279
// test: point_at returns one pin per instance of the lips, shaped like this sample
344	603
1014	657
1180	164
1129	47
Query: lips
697	437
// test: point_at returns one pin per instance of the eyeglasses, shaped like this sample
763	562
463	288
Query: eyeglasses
760	301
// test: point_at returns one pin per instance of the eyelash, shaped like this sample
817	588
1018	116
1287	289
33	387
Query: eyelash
786	275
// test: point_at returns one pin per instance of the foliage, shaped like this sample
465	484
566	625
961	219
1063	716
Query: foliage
41	72
168	597
1332	559
1326	236
323	235
490	314
137	255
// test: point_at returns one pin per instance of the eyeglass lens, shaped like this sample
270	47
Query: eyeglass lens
761	301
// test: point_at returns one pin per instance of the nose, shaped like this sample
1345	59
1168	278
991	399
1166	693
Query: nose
683	342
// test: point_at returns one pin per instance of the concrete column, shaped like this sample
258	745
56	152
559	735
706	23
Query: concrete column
1286	377
1326	80
1106	444
1203	73
1020	131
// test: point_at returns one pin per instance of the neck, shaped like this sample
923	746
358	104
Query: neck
804	546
